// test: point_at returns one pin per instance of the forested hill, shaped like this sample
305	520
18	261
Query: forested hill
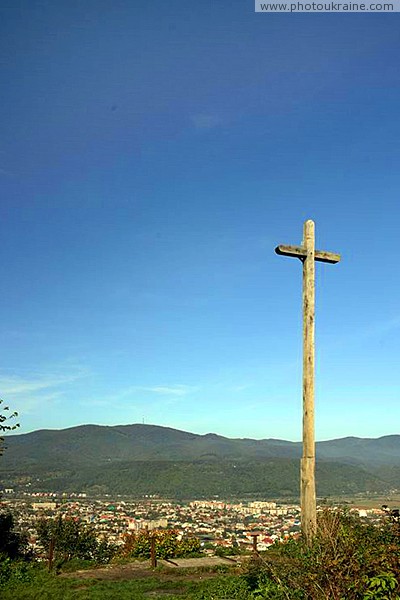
96	444
152	459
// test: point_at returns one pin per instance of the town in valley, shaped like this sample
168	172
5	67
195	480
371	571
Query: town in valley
219	525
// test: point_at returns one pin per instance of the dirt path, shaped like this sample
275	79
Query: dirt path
195	563
171	570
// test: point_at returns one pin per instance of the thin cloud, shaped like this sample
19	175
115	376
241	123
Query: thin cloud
205	121
31	403
383	327
17	385
5	173
136	393
174	390
22	385
369	332
27	393
240	388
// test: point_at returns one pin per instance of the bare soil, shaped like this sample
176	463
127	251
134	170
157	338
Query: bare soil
170	570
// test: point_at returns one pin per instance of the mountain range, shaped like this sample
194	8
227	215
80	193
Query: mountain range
149	459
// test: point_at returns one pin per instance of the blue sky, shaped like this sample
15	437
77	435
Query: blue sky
153	155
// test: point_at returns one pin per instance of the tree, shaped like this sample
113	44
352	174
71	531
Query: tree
3	425
69	538
12	543
167	544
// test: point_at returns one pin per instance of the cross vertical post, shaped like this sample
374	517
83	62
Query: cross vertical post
153	555
307	481
308	255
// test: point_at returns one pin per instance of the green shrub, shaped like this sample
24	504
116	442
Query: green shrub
72	539
380	587
348	560
12	543
227	551
189	546
15	571
167	545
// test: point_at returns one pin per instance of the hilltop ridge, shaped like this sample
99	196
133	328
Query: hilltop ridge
156	459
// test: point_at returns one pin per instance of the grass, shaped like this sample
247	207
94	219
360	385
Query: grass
49	587
186	586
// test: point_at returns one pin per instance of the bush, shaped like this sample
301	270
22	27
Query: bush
167	545
348	559
14	571
227	551
12	543
72	539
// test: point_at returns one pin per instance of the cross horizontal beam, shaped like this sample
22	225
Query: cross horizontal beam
301	252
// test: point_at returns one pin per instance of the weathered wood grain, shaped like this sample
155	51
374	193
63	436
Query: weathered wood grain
300	252
308	255
308	493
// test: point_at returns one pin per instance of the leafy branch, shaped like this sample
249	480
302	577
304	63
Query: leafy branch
4	422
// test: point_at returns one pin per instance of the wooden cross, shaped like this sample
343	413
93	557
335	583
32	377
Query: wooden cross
308	255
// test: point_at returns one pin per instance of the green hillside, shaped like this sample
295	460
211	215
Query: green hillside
147	459
95	444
